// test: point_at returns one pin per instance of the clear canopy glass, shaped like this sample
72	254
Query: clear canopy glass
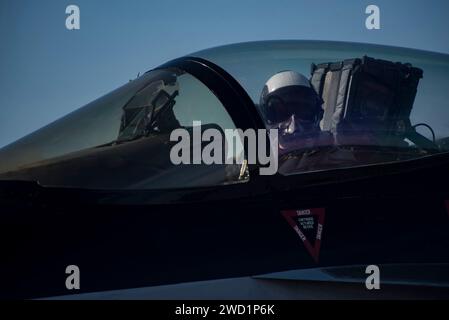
253	63
121	141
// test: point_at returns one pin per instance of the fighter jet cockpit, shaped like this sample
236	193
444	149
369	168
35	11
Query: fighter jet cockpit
342	105
356	111
122	140
334	106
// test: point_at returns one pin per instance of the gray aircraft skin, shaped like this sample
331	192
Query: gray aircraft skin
427	281
97	189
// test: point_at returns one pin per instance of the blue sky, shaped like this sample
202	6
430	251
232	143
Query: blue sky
48	71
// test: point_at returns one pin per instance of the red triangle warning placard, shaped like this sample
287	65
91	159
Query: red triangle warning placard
308	224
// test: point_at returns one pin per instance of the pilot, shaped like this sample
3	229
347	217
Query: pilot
290	104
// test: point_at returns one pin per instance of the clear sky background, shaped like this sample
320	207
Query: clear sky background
47	71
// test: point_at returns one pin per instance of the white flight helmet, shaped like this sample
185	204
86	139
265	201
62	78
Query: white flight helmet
289	96
285	79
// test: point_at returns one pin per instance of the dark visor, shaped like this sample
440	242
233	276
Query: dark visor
293	100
